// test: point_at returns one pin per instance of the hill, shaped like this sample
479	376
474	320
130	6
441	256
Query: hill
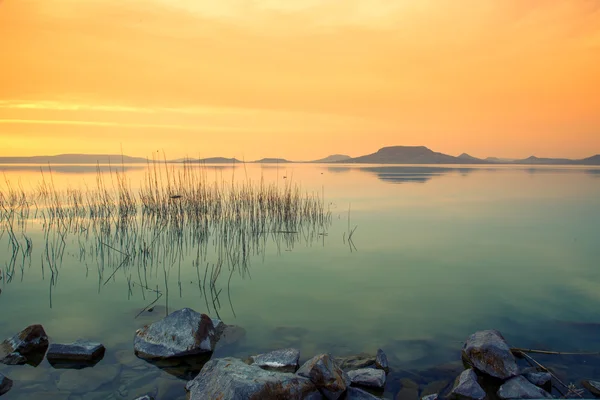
272	161
411	155
332	158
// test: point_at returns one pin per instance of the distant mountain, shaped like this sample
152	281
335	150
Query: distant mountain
332	158
593	160
74	159
272	161
499	160
210	160
411	155
544	161
467	157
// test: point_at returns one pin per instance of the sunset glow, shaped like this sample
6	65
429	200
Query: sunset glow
300	79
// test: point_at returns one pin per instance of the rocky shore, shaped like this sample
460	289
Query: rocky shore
186	340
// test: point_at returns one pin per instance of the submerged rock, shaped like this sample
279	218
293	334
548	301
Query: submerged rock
5	384
541	379
27	346
370	377
231	378
182	333
358	394
81	381
488	352
381	361
593	387
357	361
145	397
467	387
284	360
430	397
80	351
327	375
521	388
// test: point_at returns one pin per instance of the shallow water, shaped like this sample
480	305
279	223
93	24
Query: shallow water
438	253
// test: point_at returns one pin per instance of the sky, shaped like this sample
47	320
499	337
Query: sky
299	79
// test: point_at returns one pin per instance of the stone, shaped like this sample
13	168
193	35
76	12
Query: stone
520	388
79	381
182	333
435	387
284	360
430	397
5	384
229	336
381	361
541	379
327	375
488	353
27	346
593	387
80	351
353	393
145	397
356	361
368	377
231	378
467	387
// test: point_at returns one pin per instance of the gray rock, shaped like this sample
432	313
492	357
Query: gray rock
488	352
27	346
284	360
593	387
368	377
231	378
327	375
353	393
5	384
357	361
79	381
78	351
467	387
521	388
182	333
541	379
145	397
381	361
430	397
230	335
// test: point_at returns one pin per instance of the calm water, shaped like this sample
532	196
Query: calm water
437	253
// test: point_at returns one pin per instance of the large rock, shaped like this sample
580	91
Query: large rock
284	360
357	361
593	387
488	352
231	378
368	377
181	333
327	376
5	384
27	346
381	361
467	387
521	388
80	351
358	394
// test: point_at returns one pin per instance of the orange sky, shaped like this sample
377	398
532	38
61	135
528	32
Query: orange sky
299	79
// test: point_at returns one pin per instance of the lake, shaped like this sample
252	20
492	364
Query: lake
436	253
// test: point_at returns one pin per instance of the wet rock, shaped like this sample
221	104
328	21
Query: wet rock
541	379
182	333
5	384
467	387
230	378
430	397
593	387
521	388
488	352
381	361
357	361
408	391
26	347
284	360
79	381
326	374
145	397
230	335
78	352
353	393
434	387
370	377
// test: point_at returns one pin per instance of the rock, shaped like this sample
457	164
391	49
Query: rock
79	381
368	377
357	361
430	397
381	361
28	346
285	360
435	387
467	387
181	333
488	352
5	384
593	387
231	378
521	388
541	379
80	351
353	393
230	335
327	375
145	397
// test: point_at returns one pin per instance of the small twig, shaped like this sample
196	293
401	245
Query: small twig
558	353
149	305
116	269
550	372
